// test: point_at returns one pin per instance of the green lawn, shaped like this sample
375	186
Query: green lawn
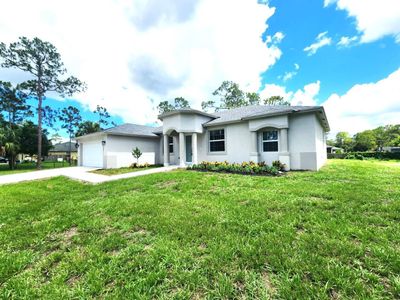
30	166
123	170
333	234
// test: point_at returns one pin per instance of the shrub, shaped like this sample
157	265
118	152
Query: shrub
280	166
250	168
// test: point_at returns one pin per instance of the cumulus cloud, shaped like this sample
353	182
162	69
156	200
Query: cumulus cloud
374	19
365	106
346	41
305	96
321	40
133	54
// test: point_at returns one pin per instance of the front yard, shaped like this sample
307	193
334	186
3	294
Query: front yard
331	234
31	166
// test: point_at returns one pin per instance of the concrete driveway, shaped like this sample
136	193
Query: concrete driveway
77	173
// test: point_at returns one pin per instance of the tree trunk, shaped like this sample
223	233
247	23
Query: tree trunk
39	154
70	153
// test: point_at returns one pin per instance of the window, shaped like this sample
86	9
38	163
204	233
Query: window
270	141
171	144
217	140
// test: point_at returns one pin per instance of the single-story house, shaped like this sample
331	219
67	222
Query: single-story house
63	151
294	135
333	149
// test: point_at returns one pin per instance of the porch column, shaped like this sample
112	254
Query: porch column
284	155
254	156
166	151
194	148
182	155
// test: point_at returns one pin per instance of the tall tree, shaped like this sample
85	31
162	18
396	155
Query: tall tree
276	100
13	103
179	103
70	118
365	140
28	139
231	96
253	98
343	140
103	115
42	61
87	127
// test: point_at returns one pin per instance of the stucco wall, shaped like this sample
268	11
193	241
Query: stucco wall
306	142
237	144
119	150
184	123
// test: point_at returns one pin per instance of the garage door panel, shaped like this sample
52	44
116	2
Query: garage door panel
92	154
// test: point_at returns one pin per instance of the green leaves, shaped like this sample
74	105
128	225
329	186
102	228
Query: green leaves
179	103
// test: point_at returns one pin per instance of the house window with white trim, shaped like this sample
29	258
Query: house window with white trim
171	144
217	140
270	141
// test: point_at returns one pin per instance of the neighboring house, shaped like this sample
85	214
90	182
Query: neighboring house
62	151
391	149
333	149
294	135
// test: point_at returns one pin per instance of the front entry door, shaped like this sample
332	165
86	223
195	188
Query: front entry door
188	142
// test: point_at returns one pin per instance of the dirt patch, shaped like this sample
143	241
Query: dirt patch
73	280
70	233
334	295
202	246
166	184
268	283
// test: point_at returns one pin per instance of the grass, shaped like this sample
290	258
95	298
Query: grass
333	234
30	166
123	170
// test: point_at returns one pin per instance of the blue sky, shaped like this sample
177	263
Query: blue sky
342	54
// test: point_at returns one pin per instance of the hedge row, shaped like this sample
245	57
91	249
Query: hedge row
247	168
377	155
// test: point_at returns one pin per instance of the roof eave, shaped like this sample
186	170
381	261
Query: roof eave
185	111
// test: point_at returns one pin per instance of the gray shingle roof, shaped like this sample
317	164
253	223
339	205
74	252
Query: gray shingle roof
63	147
132	129
254	111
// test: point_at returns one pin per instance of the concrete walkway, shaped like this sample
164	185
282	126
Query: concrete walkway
77	173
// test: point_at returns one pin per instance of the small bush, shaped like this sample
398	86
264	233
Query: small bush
280	166
250	168
138	166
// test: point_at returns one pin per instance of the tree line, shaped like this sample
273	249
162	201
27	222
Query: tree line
230	96
43	65
368	140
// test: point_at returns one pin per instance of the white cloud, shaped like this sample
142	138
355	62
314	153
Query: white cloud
289	75
365	106
346	41
321	41
306	96
374	19
132	54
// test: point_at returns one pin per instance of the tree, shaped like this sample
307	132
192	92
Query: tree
103	115
137	154
42	61
87	127
70	118
179	103
28	139
276	100
364	141
13	103
253	98
343	140
231	96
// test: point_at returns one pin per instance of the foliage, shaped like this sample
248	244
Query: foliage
87	127
103	116
365	155
43	63
179	103
28	139
13	103
276	100
231	96
365	140
249	168
280	166
137	154
136	165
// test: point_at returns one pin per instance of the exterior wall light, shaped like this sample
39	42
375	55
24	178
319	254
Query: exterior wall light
77	145
103	143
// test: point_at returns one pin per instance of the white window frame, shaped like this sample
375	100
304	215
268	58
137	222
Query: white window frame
269	141
220	140
171	143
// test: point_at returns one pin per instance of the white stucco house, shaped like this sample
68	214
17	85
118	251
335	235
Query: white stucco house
294	135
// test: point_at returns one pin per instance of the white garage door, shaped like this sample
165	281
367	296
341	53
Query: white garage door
92	154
